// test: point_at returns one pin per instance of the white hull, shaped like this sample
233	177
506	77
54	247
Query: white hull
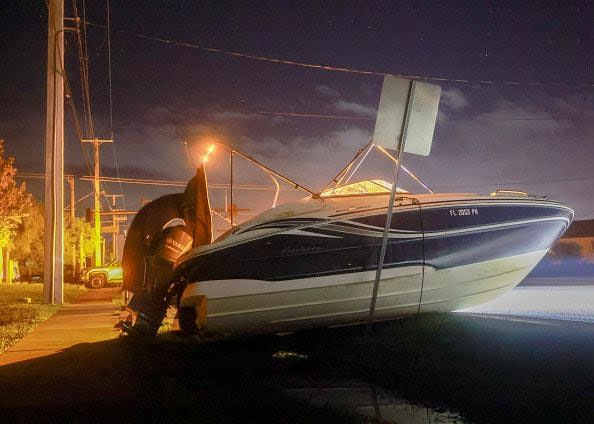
238	307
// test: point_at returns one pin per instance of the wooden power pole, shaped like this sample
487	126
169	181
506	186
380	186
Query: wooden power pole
75	267
115	225
54	157
97	188
72	197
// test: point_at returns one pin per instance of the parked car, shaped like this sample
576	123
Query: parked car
96	277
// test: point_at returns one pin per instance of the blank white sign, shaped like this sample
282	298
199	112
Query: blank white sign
407	106
422	117
391	112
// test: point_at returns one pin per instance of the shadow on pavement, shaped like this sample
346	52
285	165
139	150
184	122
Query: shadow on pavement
487	369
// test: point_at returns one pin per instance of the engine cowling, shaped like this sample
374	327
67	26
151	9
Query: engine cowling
159	234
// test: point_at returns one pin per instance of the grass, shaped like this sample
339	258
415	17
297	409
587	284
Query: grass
18	318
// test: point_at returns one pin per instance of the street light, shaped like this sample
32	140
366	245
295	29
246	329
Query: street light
208	152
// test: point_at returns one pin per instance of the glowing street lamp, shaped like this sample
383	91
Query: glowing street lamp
208	152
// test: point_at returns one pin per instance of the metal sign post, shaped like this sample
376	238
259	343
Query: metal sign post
407	112
390	212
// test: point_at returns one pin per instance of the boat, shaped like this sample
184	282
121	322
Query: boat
312	263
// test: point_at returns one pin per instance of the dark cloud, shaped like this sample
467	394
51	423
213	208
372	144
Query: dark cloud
486	134
355	108
453	98
327	91
518	144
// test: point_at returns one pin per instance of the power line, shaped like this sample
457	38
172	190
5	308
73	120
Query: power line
109	68
84	197
77	127
314	115
88	91
140	181
332	68
36	175
555	181
368	118
179	183
108	17
173	183
145	181
84	71
84	67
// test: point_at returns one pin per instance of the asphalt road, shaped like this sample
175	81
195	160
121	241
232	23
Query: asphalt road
488	368
569	299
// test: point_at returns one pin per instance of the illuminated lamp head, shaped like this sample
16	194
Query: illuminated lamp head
208	152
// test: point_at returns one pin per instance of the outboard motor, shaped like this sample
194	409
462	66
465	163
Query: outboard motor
159	234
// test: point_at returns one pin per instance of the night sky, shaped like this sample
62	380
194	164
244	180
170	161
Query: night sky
537	136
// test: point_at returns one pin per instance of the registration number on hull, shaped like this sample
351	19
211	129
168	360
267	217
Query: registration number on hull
464	212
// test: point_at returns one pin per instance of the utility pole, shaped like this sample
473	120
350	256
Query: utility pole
115	223
72	197
231	186
54	157
227	208
75	267
97	186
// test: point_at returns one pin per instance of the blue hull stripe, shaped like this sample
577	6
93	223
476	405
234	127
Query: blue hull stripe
436	237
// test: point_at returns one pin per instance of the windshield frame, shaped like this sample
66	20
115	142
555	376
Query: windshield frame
384	185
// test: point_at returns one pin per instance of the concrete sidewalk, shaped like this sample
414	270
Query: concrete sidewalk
90	319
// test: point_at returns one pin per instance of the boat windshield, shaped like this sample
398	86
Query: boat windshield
362	187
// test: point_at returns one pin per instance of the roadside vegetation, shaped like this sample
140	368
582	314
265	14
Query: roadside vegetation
17	318
21	256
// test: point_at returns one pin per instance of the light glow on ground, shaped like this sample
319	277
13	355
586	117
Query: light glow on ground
571	303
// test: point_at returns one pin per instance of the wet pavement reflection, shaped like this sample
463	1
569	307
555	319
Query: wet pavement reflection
372	404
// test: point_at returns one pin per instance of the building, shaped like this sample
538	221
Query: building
577	242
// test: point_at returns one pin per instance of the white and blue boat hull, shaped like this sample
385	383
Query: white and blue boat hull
316	267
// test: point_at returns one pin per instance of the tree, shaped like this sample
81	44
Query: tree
78	238
566	251
15	200
15	204
28	244
22	225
